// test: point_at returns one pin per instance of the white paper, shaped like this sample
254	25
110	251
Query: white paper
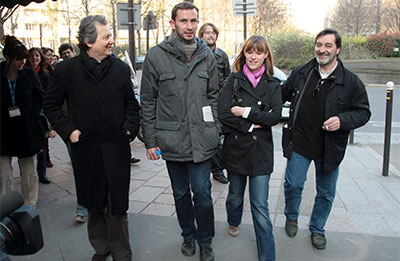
207	114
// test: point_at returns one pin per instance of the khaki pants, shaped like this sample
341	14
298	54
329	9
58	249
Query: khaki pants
29	179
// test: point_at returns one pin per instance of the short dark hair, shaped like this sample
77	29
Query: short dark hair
14	48
63	47
88	31
184	6
203	29
338	38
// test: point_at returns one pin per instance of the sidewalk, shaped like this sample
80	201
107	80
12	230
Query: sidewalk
364	223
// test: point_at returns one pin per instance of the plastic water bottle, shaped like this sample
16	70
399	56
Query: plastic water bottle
158	152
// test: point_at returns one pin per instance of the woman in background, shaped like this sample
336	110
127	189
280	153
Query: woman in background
20	136
36	61
249	105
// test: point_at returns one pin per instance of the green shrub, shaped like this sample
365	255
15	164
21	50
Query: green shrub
354	48
291	48
382	45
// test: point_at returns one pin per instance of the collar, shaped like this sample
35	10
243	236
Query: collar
325	75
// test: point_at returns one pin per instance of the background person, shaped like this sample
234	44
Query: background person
178	98
209	33
36	61
327	102
20	135
103	115
66	51
249	105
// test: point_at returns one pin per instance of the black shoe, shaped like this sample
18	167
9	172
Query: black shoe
220	177
134	160
43	179
97	257
291	227
318	241
206	253
188	247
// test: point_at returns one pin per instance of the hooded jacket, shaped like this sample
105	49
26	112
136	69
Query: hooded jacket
175	91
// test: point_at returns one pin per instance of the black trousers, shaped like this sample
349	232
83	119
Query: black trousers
109	233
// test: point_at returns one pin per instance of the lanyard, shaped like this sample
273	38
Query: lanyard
12	89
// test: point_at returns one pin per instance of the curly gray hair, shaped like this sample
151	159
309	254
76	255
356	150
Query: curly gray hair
87	30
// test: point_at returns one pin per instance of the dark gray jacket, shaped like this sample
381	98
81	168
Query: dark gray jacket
173	92
223	66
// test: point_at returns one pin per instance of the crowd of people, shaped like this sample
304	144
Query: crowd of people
196	114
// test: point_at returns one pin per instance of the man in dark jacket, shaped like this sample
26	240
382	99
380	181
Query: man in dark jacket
103	116
327	102
179	93
209	33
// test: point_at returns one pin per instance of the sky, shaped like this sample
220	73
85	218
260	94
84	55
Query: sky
309	15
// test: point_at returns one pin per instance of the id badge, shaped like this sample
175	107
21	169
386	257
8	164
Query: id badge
14	112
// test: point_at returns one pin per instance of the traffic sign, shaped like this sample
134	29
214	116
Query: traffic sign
122	16
251	7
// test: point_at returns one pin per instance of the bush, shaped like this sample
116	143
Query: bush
382	45
354	48
291	48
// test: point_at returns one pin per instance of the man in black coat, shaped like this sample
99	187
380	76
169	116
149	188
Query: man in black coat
103	116
327	102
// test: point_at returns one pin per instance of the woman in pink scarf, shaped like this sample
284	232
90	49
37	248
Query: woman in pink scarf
250	104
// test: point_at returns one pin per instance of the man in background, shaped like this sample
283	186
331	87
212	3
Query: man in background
209	33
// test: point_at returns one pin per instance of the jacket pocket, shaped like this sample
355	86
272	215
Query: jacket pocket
168	86
169	135
203	81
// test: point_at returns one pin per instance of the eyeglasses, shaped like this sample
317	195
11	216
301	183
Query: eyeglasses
210	32
317	88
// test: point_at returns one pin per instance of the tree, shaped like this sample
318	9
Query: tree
353	17
271	14
391	16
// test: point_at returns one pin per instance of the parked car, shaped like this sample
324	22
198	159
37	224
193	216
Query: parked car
278	73
139	62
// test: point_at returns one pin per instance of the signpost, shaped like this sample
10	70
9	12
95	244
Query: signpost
149	23
245	8
128	17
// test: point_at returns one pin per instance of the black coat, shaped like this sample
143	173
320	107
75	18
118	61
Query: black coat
102	109
21	136
346	99
243	152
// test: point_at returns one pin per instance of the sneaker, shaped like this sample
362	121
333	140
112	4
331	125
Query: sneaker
134	160
233	231
318	241
188	247
220	177
291	227
206	253
80	218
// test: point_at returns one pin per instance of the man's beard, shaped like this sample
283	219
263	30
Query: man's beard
328	61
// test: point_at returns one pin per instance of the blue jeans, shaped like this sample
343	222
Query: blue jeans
295	176
186	176
258	191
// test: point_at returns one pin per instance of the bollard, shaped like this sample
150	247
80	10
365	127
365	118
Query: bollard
388	128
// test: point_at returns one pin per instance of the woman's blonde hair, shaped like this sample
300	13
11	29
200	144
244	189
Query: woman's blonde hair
261	44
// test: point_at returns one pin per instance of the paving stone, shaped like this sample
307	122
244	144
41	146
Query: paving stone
156	181
136	206
146	194
165	199
158	209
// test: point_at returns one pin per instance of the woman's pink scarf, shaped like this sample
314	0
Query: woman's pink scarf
254	78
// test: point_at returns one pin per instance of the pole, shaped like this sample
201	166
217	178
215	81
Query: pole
131	29
388	128
244	20
114	24
148	33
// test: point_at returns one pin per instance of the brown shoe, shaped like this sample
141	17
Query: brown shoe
233	231
134	160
